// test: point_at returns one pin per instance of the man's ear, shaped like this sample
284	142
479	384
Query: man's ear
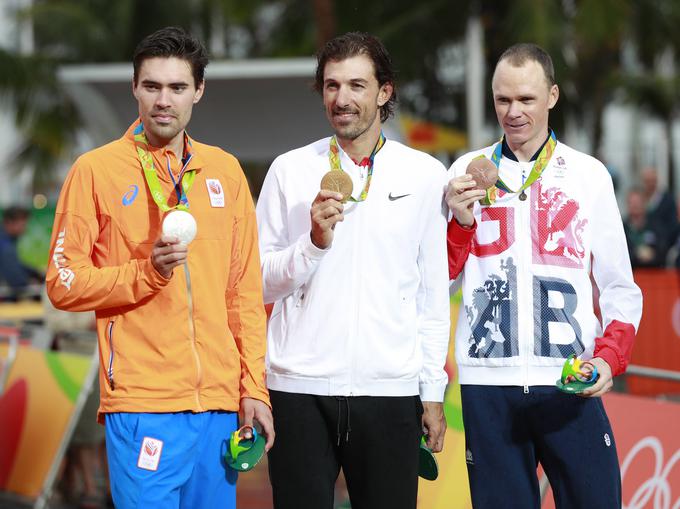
199	92
553	96
385	93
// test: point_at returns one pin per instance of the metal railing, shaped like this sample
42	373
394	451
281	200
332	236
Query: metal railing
659	374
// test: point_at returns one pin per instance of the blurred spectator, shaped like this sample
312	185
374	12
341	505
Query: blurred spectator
15	277
662	216
646	244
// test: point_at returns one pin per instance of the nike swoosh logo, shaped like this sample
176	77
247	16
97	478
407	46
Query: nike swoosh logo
392	198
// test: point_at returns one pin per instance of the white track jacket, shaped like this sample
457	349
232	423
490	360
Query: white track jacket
370	314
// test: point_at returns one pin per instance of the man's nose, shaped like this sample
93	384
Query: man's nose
343	97
163	98
515	109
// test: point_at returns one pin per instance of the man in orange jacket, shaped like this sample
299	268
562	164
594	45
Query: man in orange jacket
181	327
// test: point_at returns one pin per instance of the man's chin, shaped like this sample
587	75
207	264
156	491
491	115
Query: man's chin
162	132
347	132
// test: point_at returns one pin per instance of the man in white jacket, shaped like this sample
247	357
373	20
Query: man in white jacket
536	242
360	326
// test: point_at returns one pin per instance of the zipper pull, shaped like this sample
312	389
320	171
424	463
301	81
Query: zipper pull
526	389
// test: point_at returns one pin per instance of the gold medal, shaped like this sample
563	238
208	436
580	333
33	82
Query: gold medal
338	181
483	171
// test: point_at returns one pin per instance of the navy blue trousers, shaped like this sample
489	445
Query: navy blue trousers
508	433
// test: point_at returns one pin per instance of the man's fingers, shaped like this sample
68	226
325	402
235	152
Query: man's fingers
435	437
598	390
325	195
268	430
601	387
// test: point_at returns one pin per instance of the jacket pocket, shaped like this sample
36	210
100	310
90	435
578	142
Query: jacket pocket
299	296
109	339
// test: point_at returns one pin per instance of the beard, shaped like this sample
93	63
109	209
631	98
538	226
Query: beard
349	129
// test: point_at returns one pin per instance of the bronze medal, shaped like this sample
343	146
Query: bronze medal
339	182
483	171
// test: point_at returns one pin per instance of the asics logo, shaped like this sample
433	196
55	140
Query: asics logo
131	194
392	198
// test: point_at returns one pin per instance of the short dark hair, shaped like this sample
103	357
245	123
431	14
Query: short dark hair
172	42
350	45
520	53
14	213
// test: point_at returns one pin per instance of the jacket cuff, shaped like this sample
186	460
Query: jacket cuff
611	357
309	250
156	280
256	394
616	346
459	235
432	392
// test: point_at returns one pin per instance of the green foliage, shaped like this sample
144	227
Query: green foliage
586	39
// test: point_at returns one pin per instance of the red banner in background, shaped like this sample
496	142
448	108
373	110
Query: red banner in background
657	344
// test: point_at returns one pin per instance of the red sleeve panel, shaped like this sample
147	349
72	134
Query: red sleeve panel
458	242
616	346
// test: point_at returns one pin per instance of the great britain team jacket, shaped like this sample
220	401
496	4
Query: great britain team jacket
528	295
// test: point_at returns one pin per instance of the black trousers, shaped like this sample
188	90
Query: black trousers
374	440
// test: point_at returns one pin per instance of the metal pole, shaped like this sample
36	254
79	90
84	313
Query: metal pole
660	374
474	82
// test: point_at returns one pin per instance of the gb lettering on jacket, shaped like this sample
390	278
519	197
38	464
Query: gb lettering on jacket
554	243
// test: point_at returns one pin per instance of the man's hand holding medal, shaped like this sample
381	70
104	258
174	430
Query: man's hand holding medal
463	191
328	206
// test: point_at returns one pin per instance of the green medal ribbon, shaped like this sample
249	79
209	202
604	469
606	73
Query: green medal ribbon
540	164
334	159
186	177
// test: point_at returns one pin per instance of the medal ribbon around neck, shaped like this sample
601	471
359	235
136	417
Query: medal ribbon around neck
186	178
536	170
334	159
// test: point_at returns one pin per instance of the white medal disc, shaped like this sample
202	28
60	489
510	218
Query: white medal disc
180	224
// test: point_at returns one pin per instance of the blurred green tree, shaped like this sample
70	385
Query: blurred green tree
426	39
652	82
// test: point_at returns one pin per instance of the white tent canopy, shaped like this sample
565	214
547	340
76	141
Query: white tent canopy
255	109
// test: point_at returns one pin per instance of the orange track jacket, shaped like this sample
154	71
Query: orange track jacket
193	342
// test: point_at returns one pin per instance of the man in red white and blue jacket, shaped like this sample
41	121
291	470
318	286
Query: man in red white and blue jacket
545	274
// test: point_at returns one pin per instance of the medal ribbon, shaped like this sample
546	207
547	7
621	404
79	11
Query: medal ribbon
182	184
536	170
334	159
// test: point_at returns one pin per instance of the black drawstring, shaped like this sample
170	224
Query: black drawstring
338	400
349	426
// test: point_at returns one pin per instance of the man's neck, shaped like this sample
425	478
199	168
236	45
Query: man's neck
527	151
175	145
361	146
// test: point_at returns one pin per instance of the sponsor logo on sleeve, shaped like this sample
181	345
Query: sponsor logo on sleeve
66	275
